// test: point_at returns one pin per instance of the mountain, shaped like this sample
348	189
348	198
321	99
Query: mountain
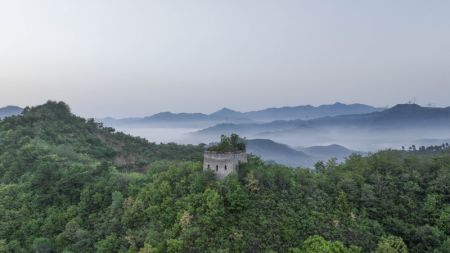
161	119
283	154
53	127
402	115
270	150
330	150
327	152
179	120
309	112
226	113
10	111
228	116
405	115
168	116
393	127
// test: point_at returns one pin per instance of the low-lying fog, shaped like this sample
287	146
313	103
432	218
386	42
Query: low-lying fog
361	139
354	139
162	135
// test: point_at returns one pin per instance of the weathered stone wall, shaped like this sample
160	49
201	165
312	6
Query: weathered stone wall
223	164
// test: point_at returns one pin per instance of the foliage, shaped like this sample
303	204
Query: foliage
316	244
71	185
53	129
229	144
391	244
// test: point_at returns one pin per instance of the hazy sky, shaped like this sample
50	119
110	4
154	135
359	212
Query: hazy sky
133	58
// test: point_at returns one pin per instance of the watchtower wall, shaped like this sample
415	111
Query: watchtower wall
222	164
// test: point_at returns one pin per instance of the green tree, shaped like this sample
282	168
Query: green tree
316	244
42	245
391	244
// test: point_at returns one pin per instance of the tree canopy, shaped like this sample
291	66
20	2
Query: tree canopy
233	143
72	185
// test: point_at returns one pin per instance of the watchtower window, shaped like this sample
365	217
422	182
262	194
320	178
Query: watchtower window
225	167
217	167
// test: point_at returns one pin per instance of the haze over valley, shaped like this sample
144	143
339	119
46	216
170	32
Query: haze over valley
356	127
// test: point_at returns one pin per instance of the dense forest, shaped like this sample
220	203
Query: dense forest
72	185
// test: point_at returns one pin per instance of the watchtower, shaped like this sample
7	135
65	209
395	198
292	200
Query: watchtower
223	163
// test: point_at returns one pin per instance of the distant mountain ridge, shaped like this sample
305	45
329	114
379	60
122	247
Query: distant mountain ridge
303	156
10	110
280	153
329	151
226	115
402	115
310	112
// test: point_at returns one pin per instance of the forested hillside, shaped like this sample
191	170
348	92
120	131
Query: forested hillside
71	185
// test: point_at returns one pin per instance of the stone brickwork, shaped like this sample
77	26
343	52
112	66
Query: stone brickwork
223	164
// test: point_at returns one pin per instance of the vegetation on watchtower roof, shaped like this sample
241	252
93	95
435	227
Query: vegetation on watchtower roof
234	143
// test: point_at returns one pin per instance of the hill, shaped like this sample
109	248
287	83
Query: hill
10	111
306	157
327	152
178	120
229	114
283	154
310	112
372	131
225	115
403	115
52	127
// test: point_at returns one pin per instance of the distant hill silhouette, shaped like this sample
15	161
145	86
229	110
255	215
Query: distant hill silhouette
400	116
10	111
226	115
272	151
303	156
328	152
309	112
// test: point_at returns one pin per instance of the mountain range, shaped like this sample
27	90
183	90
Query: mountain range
355	126
403	115
381	129
225	115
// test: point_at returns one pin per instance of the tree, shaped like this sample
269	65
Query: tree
109	244
42	245
443	221
3	246
391	244
316	244
229	144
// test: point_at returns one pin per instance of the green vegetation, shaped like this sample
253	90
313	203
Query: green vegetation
229	144
71	185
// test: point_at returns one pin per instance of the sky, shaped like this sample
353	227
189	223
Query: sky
133	58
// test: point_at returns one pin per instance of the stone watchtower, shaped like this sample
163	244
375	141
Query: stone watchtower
223	163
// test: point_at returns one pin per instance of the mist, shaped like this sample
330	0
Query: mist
363	140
